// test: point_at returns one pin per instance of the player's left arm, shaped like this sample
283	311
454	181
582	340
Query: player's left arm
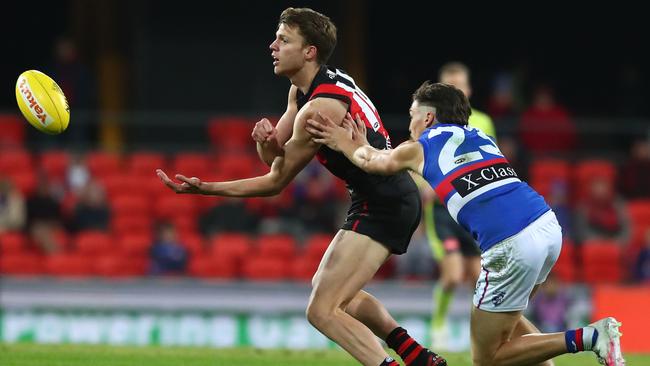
298	151
407	156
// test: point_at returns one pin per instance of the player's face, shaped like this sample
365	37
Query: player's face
420	116
287	50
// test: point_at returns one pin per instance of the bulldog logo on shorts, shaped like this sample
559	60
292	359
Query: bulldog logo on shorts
498	298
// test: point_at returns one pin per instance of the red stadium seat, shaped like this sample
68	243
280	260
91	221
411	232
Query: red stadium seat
545	172
303	268
236	166
259	268
278	245
69	265
137	224
55	164
13	130
193	242
587	170
103	164
601	261
15	162
24	181
21	264
565	267
117	266
316	245
190	165
230	245
135	245
12	243
121	184
169	206
231	133
145	163
128	204
213	267
92	242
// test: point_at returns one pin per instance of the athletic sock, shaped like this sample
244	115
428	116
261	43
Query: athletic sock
442	300
581	339
411	351
389	361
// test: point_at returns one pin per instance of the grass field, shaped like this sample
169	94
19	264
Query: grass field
77	355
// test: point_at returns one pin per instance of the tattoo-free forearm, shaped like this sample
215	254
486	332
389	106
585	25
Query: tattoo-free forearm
262	186
269	150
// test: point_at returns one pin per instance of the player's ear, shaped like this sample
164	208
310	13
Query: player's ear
430	120
311	52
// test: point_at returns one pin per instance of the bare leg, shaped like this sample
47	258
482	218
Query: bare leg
472	268
348	264
367	309
525	327
494	341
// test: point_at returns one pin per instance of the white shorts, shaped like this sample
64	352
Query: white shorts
511	268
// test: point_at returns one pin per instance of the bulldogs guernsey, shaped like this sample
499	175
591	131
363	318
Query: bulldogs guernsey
480	189
379	203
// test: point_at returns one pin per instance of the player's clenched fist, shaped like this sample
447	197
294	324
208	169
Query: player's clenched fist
263	131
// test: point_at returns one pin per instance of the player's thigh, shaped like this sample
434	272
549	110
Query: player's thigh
488	331
350	261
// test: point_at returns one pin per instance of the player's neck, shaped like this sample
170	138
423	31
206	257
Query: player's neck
305	76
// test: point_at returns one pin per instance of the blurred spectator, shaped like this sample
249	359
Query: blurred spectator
315	199
518	160
12	207
44	216
602	215
549	306
230	215
78	175
545	127
635	174
168	255
91	211
501	103
417	262
558	200
642	265
458	75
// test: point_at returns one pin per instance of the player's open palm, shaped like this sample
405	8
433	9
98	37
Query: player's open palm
328	133
358	127
263	131
188	185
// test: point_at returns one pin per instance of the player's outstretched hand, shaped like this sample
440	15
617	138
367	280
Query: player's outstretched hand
328	133
358	128
188	185
263	131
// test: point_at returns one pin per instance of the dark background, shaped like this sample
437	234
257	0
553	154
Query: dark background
213	56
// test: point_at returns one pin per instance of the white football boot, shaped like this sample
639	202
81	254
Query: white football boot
608	344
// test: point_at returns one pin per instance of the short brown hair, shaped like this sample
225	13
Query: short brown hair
453	67
450	103
317	29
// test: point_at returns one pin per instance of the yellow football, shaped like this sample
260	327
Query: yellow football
42	102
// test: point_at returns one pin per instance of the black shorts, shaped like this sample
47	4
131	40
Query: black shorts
453	236
390	222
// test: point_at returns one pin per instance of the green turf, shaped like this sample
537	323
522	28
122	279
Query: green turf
78	355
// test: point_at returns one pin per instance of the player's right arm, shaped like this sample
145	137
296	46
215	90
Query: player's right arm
407	156
270	140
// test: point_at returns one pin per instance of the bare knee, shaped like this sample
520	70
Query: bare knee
318	314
